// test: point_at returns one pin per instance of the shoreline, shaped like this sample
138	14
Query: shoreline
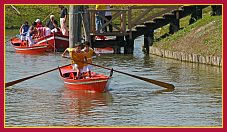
181	56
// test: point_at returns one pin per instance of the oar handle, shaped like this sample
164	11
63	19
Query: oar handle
26	78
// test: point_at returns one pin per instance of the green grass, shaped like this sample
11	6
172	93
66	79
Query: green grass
28	13
203	37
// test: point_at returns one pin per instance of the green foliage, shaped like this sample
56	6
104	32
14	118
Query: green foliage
28	13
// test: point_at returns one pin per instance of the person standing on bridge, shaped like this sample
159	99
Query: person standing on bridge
108	16
100	15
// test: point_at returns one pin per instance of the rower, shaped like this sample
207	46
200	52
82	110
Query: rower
77	57
88	53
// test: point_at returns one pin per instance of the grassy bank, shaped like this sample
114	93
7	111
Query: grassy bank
203	37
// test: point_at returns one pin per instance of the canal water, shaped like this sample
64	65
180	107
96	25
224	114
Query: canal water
44	101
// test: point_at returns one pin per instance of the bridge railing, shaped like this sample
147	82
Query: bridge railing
124	20
118	21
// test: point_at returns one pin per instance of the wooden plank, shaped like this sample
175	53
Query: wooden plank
108	22
114	33
138	19
158	14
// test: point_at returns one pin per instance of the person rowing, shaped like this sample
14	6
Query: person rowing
88	53
77	57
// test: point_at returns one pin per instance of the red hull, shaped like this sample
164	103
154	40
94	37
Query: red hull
98	82
21	47
55	42
104	50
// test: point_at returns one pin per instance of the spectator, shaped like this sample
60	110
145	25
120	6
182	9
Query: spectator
99	17
108	16
63	18
39	23
24	30
31	33
52	24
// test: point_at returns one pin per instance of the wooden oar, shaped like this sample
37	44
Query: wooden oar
47	16
159	83
26	78
15	9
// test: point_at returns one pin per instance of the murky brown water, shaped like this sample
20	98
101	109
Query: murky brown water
44	101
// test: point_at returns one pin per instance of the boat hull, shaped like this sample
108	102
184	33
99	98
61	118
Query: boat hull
56	42
21	47
107	50
97	83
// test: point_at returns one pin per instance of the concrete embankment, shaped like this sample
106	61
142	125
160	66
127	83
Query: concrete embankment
181	56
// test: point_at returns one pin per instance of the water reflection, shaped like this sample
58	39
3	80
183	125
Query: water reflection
82	102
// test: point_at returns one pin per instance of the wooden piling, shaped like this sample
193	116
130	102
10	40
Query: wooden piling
175	23
86	23
72	29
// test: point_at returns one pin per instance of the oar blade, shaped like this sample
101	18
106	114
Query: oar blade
159	83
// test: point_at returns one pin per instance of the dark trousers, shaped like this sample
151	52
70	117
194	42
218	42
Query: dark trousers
110	25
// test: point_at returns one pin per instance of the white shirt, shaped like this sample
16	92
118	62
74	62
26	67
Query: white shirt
108	13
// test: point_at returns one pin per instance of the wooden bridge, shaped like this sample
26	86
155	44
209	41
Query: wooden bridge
127	26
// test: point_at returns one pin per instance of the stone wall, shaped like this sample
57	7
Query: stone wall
195	58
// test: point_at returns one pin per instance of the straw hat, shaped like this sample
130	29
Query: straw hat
51	16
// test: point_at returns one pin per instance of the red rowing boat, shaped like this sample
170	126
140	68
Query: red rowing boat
56	42
98	82
22	47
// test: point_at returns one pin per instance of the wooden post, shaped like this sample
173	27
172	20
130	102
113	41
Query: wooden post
72	27
129	22
86	23
216	10
92	28
78	23
123	22
129	47
148	40
196	14
175	23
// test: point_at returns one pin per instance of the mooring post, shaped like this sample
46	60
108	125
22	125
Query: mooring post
148	40
196	14
175	23
86	23
216	10
72	28
129	46
74	25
